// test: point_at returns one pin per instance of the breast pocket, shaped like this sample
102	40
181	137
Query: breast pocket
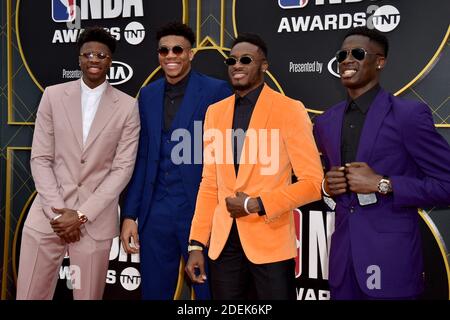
114	132
110	136
393	224
387	145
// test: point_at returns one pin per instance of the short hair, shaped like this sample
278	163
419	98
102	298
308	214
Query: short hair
372	34
176	28
252	38
97	34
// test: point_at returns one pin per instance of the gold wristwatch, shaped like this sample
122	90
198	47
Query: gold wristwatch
384	185
82	217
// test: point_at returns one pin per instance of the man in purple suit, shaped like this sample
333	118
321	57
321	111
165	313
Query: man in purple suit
384	159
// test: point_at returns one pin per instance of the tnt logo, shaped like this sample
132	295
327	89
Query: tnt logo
63	10
130	278
386	18
292	4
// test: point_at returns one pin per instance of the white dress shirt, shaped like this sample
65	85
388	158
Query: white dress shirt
90	99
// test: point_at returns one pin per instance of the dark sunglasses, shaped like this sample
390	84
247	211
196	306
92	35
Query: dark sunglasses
164	51
357	53
91	55
231	61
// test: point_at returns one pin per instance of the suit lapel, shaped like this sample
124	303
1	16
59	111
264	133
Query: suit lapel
225	126
332	140
258	121
190	104
72	106
155	103
335	132
105	110
375	116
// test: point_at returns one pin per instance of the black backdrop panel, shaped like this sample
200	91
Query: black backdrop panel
302	39
49	48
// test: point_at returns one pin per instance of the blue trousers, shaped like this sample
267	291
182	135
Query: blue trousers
163	241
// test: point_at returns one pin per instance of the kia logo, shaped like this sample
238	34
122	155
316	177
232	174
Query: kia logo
119	73
333	67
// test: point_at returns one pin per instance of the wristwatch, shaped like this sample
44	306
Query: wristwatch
384	185
82	217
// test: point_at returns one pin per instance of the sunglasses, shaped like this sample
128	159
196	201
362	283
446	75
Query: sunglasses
231	61
357	53
164	51
91	55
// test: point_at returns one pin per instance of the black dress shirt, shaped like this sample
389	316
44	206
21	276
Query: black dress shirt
173	97
243	110
353	123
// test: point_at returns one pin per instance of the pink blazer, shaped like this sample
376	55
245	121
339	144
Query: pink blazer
86	177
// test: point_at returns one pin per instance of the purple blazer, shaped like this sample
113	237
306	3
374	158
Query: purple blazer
398	140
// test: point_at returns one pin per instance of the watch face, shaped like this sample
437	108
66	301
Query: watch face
384	186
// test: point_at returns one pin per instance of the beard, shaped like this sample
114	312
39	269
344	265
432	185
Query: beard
241	87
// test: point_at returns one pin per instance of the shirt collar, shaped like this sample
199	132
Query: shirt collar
180	84
252	96
97	90
364	101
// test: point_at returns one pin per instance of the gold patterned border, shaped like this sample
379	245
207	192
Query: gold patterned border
185	17
9	172
11	120
442	248
418	77
9	63
16	234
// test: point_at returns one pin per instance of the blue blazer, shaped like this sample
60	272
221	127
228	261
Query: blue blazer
398	140
201	92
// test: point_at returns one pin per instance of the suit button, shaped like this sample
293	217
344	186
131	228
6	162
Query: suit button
83	161
80	184
352	209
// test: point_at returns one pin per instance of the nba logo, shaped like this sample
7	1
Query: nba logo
292	4
63	10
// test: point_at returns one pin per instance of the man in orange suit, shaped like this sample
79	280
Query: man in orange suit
83	153
252	142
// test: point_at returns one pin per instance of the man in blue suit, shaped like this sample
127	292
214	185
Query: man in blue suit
163	190
384	159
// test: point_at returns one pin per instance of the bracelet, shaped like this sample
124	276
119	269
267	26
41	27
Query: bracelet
323	189
194	248
245	205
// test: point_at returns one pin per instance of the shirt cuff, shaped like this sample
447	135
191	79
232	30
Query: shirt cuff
196	243
123	217
262	211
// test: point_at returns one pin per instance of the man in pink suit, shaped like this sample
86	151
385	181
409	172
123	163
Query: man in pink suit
83	154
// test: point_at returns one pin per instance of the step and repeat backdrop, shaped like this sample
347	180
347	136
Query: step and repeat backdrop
39	49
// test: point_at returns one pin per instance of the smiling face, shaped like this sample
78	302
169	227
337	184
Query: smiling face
94	69
175	67
246	77
358	76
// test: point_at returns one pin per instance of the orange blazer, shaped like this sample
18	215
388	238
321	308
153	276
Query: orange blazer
283	133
